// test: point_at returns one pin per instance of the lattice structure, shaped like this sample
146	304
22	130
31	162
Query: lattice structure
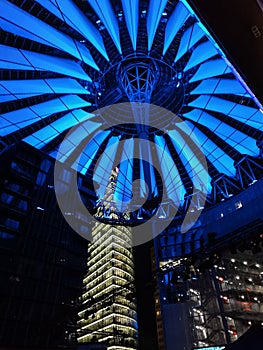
138	81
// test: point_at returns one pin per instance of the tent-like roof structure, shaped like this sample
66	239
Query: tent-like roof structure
62	60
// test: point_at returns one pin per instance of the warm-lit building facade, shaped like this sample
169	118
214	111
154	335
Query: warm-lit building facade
108	313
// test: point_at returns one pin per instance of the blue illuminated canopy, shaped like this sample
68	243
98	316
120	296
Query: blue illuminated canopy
62	60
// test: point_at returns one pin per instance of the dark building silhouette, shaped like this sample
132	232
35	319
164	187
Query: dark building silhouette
42	258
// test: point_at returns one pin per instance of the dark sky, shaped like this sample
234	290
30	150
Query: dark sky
233	22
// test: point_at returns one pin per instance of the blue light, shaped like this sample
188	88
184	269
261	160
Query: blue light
210	74
67	11
13	58
255	121
92	148
190	37
211	68
16	21
6	96
200	54
227	107
216	155
191	163
76	136
240	141
18	89
185	2
20	118
105	165
143	175
43	136
156	8
175	22
211	348
124	190
219	86
131	12
171	177
105	12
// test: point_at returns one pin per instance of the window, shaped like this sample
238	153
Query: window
12	223
13	201
66	176
22	204
5	235
7	198
16	188
23	169
41	177
45	165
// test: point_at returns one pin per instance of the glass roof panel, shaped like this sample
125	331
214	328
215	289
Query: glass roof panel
105	12
171	177
155	11
67	11
13	58
215	154
41	86
56	59
190	37
19	22
48	133
175	22
131	13
74	139
219	86
26	116
202	53
211	68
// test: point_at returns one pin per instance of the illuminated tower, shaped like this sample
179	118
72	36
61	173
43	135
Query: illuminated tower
108	303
